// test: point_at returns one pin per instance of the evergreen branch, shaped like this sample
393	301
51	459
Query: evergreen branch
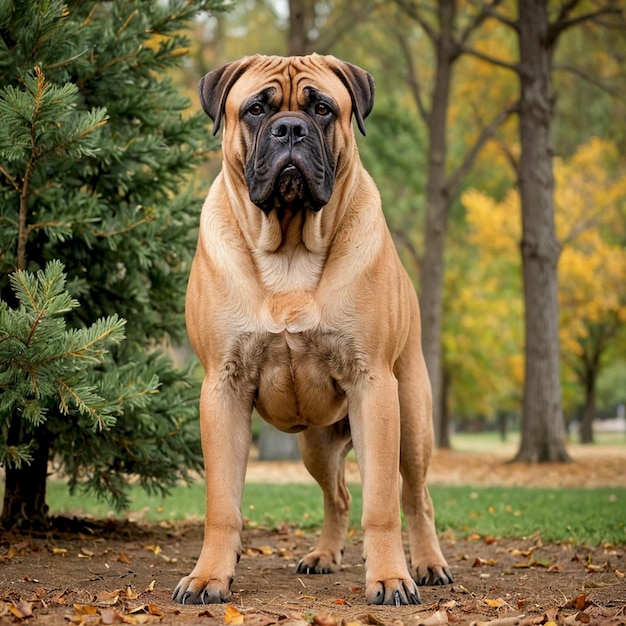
64	62
88	19
125	25
10	178
99	332
66	390
123	231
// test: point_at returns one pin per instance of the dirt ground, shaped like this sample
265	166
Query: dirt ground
112	573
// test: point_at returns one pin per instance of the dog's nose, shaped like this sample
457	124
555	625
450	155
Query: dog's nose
289	130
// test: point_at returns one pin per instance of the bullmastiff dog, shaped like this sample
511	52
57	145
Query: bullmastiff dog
298	305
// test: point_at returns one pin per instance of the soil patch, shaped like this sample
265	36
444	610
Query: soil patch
111	572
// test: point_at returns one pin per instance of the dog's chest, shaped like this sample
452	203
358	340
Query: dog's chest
299	379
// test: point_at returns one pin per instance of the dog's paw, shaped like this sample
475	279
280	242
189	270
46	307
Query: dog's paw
393	591
198	590
318	562
433	575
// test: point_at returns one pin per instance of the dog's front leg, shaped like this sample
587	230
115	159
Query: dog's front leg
225	432
374	416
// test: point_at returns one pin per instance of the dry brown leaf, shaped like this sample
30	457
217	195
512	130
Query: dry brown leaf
501	621
22	610
150	587
130	593
232	615
122	557
495	604
478	562
108	598
324	618
86	609
111	616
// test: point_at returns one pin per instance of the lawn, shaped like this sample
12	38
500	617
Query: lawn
591	516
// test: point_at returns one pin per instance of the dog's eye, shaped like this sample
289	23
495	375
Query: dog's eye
322	109
256	109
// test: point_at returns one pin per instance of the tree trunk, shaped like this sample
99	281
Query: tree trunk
301	21
24	503
437	205
590	411
543	427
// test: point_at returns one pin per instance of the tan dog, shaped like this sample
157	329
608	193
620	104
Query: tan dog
298	304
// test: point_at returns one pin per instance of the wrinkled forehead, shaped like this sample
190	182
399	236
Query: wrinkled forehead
287	83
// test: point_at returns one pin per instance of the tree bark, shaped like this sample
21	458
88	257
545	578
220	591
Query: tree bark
589	412
301	21
437	205
24	504
543	427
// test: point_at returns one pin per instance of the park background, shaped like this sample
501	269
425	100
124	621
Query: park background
106	157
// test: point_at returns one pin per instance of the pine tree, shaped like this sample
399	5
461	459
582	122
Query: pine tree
96	154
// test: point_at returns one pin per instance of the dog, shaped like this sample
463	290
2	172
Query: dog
298	305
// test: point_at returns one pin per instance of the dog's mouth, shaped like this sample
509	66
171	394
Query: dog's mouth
290	185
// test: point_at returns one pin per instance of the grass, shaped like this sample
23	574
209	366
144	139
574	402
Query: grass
590	516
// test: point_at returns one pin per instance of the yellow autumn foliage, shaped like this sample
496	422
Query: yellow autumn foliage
590	201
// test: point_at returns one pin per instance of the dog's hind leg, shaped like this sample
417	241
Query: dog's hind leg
323	452
428	565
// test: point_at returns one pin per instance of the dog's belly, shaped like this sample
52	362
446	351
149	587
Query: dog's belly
301	381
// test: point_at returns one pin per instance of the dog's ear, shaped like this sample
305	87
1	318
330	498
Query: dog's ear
215	86
360	84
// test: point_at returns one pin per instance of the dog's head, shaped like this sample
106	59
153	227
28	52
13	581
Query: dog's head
287	123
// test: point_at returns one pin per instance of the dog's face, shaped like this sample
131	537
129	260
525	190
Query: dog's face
287	124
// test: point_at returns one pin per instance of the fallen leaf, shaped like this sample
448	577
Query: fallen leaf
57	551
324	618
85	609
495	604
478	562
438	618
108	598
130	593
122	557
110	616
150	587
22	610
232	615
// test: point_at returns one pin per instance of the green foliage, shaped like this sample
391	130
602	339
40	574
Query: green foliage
43	363
97	152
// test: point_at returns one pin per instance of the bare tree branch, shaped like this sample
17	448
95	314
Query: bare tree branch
576	71
489	59
491	12
454	181
413	12
559	25
413	80
506	150
485	12
344	24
